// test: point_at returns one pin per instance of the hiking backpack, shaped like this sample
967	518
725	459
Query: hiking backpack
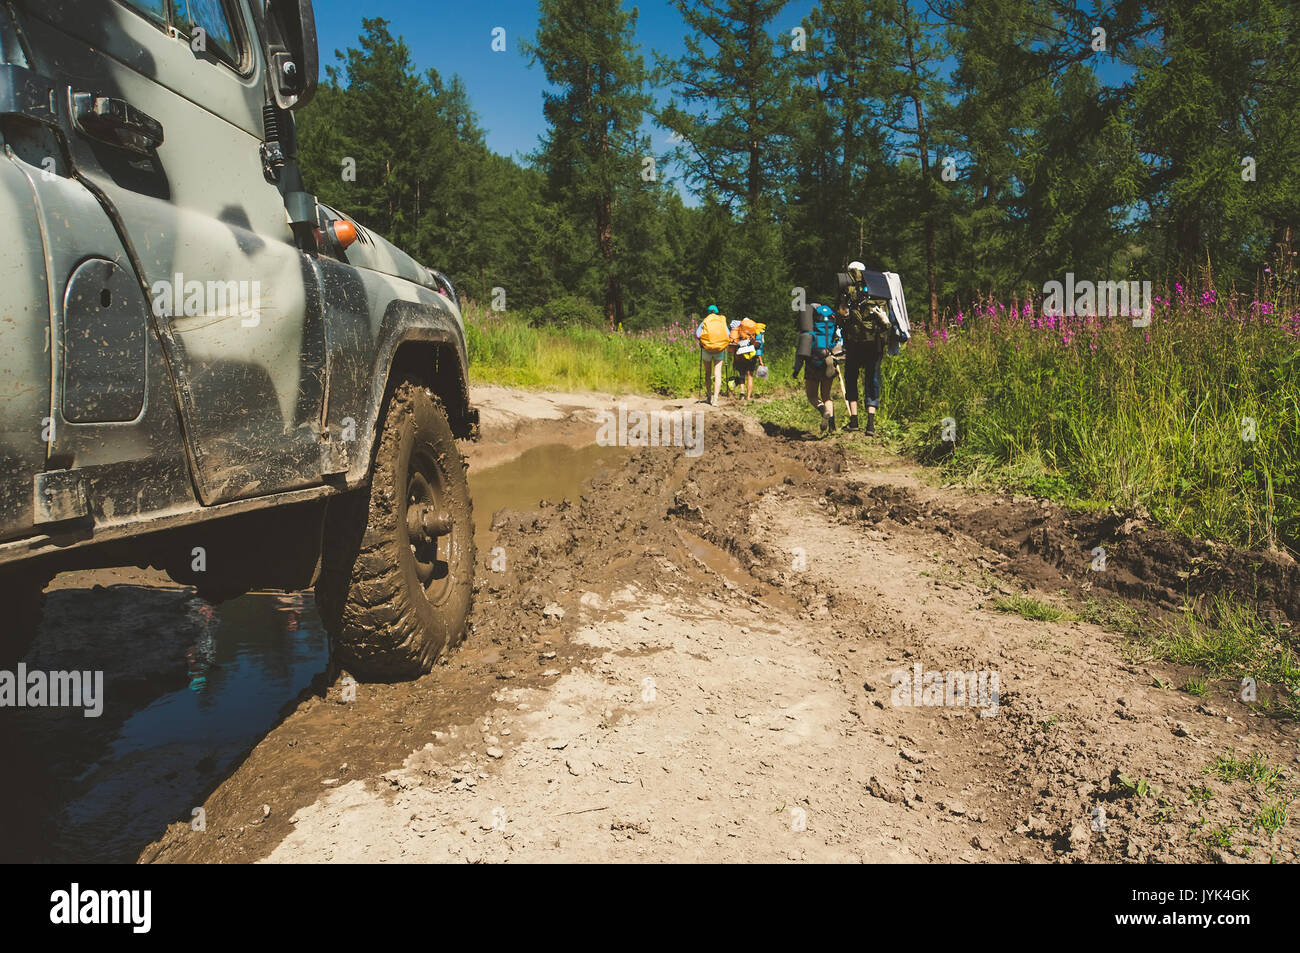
714	334
748	338
864	320
825	335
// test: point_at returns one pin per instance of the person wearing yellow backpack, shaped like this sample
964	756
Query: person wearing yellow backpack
714	337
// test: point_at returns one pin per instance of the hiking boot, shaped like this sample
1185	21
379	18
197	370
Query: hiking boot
831	418
871	425
825	424
853	423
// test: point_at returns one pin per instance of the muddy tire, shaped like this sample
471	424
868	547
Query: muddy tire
397	560
23	596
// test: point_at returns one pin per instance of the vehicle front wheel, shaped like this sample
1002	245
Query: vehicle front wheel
397	561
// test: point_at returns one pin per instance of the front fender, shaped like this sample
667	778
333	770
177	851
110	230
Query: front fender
428	343
377	326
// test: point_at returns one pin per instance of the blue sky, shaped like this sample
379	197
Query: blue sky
506	92
456	37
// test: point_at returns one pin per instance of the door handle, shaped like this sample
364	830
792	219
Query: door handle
116	122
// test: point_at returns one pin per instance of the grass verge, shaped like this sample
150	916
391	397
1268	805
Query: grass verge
1034	609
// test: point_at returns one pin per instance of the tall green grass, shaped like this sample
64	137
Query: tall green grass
1098	409
1227	640
506	349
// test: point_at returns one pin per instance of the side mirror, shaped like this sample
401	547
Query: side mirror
289	41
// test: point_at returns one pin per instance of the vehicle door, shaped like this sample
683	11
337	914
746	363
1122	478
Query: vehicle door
166	97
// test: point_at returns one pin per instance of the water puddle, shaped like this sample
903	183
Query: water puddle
188	689
551	472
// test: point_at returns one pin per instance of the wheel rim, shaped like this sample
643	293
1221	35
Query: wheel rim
429	527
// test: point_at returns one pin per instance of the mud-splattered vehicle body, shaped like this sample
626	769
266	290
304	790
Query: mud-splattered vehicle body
202	369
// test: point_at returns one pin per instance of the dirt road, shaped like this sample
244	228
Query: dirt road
732	657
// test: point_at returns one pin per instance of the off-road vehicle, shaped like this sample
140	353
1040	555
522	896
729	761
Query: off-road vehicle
202	369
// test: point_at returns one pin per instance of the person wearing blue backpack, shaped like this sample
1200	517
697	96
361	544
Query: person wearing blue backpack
820	350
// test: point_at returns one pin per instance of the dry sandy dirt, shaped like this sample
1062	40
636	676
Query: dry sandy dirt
694	660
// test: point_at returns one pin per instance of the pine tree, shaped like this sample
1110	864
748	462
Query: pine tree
1047	162
754	282
1215	86
908	54
385	144
423	177
590	153
731	100
837	199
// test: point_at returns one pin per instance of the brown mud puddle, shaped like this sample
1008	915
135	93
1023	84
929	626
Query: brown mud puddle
547	472
191	688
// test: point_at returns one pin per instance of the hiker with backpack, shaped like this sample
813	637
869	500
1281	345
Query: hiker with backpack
747	352
714	337
819	352
873	316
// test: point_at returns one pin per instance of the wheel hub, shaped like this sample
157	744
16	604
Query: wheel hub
428	523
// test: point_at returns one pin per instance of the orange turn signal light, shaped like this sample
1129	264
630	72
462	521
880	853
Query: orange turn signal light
345	233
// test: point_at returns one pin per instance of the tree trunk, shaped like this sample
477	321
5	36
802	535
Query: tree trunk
754	179
1189	244
605	210
605	241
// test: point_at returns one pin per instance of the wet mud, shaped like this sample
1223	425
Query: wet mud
603	563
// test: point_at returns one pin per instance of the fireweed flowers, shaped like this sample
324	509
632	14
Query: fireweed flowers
1088	298
1089	407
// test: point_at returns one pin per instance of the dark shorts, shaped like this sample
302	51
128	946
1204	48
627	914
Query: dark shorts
745	364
